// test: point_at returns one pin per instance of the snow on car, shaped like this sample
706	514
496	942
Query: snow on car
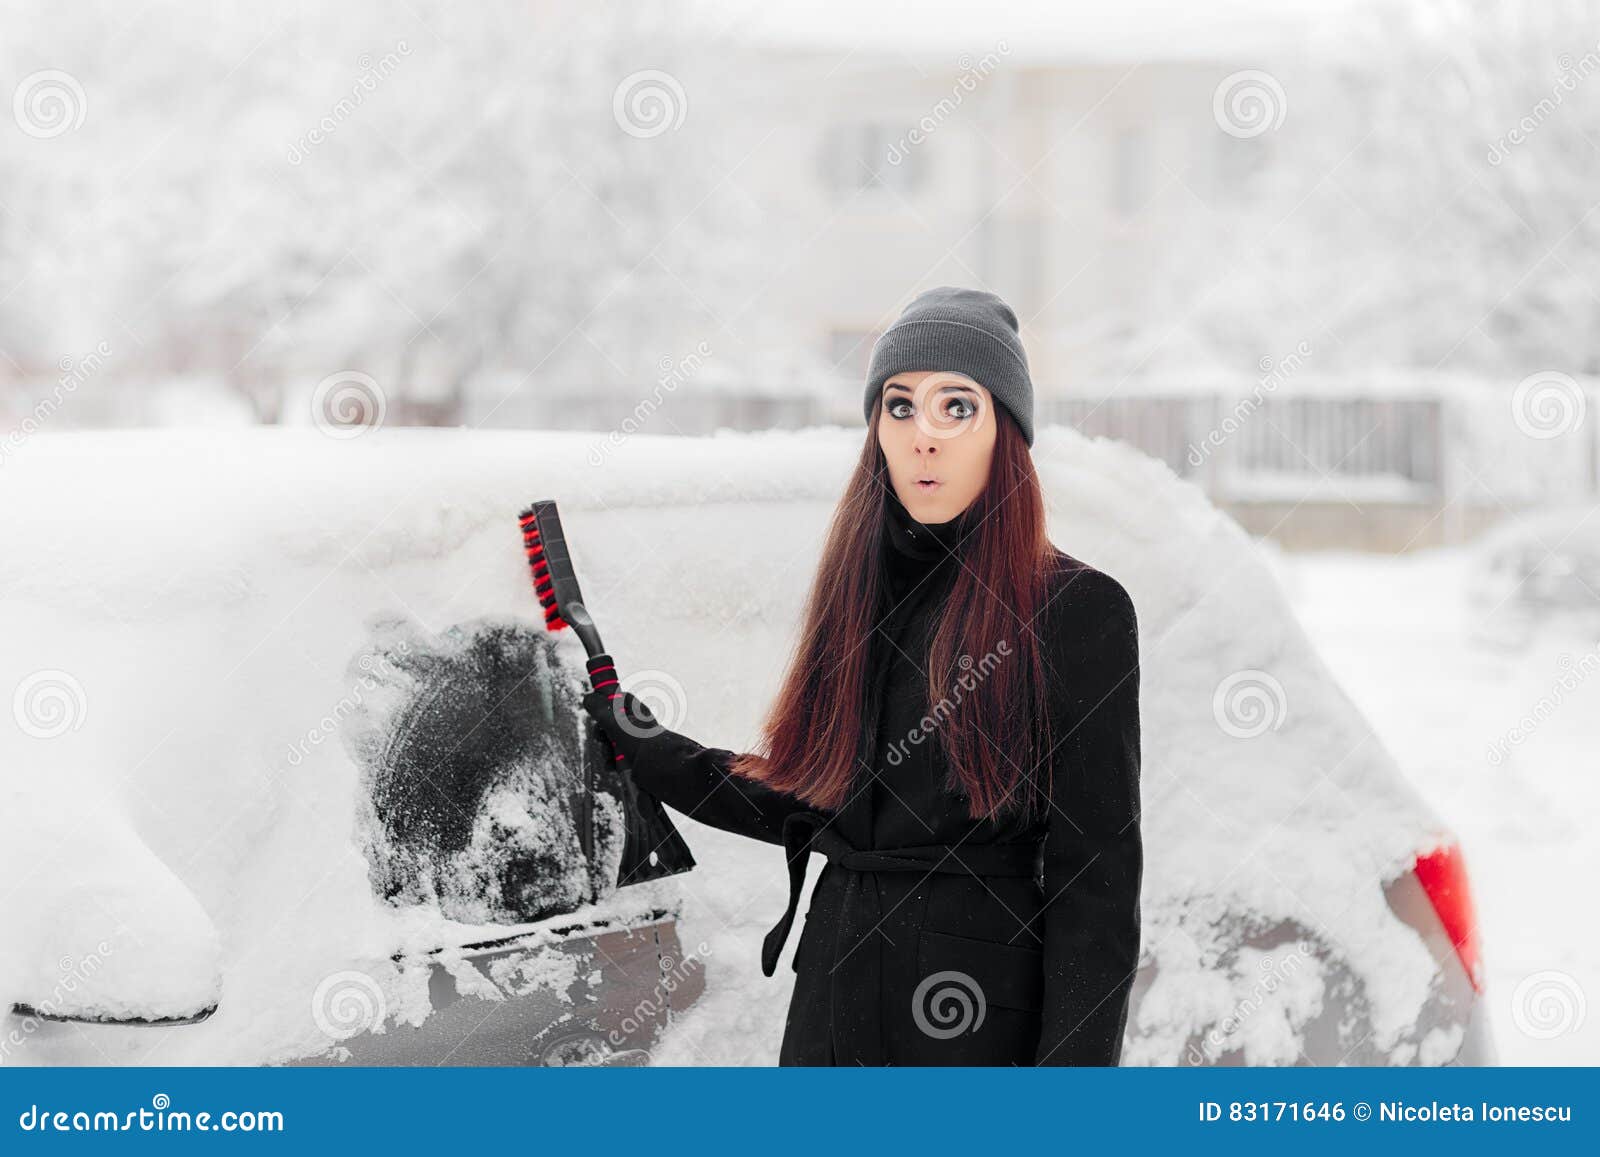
141	948
211	596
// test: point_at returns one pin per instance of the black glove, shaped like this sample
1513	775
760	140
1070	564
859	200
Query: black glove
624	720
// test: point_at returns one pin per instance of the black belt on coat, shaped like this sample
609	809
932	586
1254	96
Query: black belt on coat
805	832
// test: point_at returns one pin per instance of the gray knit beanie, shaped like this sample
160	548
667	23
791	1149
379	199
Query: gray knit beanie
967	331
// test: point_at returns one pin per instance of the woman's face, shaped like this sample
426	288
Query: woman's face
940	426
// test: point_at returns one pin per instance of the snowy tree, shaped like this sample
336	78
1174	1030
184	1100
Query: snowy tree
424	194
1426	201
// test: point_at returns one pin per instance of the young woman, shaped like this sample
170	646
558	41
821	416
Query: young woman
958	734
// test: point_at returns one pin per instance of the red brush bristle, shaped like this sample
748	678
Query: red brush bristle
542	584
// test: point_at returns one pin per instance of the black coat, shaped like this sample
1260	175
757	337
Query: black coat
907	957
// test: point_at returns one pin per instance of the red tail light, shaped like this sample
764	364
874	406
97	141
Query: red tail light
1443	876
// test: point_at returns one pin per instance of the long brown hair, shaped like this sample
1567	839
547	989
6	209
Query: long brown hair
986	670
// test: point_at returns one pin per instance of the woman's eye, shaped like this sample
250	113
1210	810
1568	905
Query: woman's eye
898	408
960	408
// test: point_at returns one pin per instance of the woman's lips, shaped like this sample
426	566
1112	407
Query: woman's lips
928	487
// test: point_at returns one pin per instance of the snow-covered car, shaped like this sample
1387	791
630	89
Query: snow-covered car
1302	904
1535	566
265	800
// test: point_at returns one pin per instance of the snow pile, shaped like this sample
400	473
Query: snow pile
209	591
1494	710
95	926
1535	566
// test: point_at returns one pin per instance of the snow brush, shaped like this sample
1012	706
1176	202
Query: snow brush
651	847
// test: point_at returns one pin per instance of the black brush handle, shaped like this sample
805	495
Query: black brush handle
653	846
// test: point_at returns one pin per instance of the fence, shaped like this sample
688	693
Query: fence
1339	467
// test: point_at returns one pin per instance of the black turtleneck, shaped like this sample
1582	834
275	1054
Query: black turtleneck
921	564
915	547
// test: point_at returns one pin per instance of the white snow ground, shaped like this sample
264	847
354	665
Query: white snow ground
1445	688
205	592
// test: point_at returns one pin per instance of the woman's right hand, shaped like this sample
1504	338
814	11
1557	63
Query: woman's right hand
693	779
624	719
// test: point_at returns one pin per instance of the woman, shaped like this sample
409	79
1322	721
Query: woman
958	734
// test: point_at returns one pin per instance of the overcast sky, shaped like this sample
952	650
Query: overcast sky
1127	29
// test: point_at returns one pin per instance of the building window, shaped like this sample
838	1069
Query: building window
1127	171
864	155
850	350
